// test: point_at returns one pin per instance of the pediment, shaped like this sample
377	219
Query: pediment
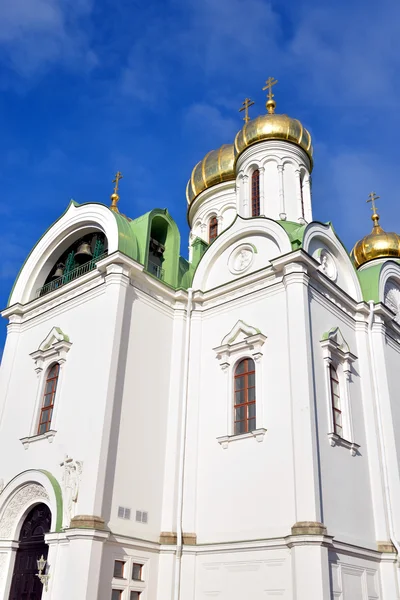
54	336
239	333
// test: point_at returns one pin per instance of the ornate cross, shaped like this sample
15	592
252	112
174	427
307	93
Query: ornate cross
118	176
268	86
246	105
371	198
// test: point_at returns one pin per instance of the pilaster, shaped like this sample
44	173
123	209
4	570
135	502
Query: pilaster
304	426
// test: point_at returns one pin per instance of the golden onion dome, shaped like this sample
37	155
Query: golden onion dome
273	127
377	244
216	166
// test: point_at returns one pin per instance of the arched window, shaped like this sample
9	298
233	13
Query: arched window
336	404
255	193
49	395
245	396
212	229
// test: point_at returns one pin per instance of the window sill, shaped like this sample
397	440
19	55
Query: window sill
49	436
257	434
336	440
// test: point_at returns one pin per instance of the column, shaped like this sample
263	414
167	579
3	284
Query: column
8	550
305	449
282	213
307	197
263	205
299	199
84	557
10	349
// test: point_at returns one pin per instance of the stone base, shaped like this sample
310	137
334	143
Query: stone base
309	528
87	522
170	538
386	547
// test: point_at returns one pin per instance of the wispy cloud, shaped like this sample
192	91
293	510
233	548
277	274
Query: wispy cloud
37	33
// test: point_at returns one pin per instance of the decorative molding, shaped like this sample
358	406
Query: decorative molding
336	440
257	434
54	347
242	338
48	435
72	471
24	497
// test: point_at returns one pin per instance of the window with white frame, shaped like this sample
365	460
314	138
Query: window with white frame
338	366
239	356
49	360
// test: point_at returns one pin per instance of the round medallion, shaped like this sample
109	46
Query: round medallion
241	259
327	266
392	299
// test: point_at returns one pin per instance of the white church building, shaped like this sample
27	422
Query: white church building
223	427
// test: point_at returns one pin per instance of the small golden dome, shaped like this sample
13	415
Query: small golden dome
216	166
377	244
273	127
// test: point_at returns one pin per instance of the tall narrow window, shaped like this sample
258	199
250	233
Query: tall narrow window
212	229
245	396
336	406
49	394
255	193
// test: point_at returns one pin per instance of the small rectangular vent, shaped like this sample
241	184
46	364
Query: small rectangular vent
142	516
124	513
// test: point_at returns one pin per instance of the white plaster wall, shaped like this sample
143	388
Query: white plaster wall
346	497
244	491
80	398
238	575
141	432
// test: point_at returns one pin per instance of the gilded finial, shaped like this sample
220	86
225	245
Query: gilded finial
270	104
246	105
114	196
375	217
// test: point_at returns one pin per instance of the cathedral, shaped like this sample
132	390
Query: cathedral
223	426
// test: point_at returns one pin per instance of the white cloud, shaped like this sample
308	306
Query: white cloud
203	118
37	33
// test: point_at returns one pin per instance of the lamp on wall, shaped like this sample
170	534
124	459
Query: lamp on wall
44	579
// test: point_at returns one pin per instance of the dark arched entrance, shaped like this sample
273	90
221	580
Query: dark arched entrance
25	585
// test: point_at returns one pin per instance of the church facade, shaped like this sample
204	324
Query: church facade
226	426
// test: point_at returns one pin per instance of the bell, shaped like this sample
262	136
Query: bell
84	252
59	272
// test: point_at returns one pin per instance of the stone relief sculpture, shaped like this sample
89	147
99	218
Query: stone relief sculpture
24	497
72	470
392	299
241	258
327	266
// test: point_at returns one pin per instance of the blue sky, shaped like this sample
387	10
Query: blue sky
88	87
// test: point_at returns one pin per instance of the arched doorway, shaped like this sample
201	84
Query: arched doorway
25	585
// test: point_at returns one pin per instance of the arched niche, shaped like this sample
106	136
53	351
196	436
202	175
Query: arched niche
77	222
321	242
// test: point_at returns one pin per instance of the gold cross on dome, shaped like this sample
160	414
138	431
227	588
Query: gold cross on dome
371	198
268	86
118	176
246	105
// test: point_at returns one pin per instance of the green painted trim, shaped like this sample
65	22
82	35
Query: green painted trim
369	281
127	242
59	500
334	332
141	227
64	335
295	232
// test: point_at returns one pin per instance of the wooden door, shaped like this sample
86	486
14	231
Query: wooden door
25	584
